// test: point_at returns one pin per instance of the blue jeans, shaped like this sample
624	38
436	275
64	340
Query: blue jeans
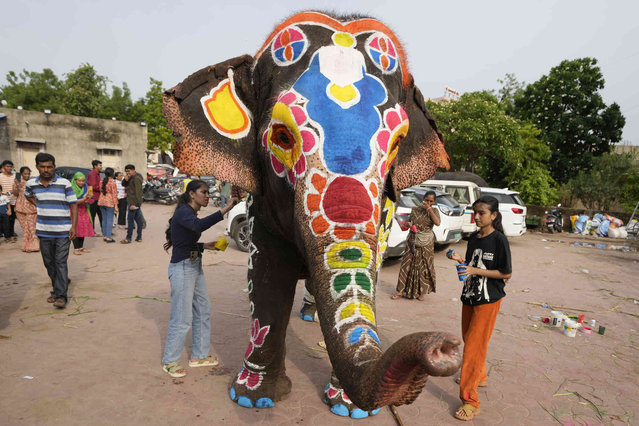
107	221
55	252
190	306
134	216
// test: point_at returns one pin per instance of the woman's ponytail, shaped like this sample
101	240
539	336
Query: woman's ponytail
497	223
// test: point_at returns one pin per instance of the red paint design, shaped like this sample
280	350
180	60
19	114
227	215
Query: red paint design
257	337
373	189
370	228
288	53
384	61
383	45
344	232
347	201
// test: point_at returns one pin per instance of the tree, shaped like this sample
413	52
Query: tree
510	88
85	92
160	136
32	90
119	105
479	136
567	106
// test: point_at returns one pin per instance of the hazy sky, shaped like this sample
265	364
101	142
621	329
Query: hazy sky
466	45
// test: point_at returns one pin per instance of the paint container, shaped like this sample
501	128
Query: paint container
545	320
602	330
221	244
461	267
449	253
585	330
557	318
593	324
534	317
570	328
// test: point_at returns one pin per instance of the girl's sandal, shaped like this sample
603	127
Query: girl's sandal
85	250
77	251
466	412
174	369
209	361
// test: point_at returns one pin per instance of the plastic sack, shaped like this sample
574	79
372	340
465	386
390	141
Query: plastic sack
580	224
622	232
613	232
599	217
573	219
603	228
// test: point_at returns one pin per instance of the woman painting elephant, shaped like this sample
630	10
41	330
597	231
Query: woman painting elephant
417	273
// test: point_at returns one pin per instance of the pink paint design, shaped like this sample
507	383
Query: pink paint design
251	379
394	118
258	334
332	392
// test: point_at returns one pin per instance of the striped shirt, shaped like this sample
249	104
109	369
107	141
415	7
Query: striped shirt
52	201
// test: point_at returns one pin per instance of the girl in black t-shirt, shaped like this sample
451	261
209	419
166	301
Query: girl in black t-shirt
488	266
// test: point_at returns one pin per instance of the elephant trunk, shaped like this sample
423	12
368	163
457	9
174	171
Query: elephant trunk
344	290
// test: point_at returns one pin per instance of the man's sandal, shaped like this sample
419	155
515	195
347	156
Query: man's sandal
209	361
468	412
481	384
174	369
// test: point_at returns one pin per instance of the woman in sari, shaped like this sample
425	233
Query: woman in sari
85	225
417	272
26	213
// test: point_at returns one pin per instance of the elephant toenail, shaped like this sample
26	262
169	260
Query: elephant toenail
232	394
340	410
244	402
358	414
375	411
264	403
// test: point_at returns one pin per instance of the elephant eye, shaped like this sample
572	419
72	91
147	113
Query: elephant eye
395	144
282	137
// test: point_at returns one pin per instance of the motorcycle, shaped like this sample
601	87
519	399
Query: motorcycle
163	194
215	196
554	220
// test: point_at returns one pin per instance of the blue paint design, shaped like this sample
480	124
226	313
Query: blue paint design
347	132
306	317
375	411
244	402
297	47
232	394
340	410
264	403
359	414
357	334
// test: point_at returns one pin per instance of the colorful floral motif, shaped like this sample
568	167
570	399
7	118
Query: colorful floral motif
389	137
289	46
384	231
251	379
258	335
382	52
332	392
225	111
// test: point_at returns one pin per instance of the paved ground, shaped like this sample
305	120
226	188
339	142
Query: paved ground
98	362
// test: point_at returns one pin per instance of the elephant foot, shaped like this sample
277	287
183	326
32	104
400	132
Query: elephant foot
257	389
308	312
341	404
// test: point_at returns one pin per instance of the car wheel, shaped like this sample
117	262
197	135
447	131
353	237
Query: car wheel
241	235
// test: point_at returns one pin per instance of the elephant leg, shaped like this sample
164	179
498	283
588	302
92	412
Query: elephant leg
309	310
273	271
340	403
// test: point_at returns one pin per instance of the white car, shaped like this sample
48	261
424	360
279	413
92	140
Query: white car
465	193
237	226
512	209
449	230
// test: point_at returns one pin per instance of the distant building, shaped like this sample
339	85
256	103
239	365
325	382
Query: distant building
627	149
72	140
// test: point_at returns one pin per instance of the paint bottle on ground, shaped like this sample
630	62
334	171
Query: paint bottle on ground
593	323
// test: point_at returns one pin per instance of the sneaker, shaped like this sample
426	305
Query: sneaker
60	303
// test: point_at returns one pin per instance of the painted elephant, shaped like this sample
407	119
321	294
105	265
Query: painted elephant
322	127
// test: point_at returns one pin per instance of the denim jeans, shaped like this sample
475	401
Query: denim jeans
107	220
55	252
134	217
190	306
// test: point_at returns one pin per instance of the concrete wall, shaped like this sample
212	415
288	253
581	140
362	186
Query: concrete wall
72	140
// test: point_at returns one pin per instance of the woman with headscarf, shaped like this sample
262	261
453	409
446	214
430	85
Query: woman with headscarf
85	226
26	213
417	272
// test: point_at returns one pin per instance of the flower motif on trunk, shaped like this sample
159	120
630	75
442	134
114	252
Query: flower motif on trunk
258	335
289	137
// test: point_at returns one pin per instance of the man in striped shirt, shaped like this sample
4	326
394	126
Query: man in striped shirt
55	227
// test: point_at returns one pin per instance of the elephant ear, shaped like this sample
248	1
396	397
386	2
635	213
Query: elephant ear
211	115
421	152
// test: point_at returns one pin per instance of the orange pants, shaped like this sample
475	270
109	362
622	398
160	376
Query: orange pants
477	327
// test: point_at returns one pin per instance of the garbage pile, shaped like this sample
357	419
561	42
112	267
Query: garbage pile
602	225
568	323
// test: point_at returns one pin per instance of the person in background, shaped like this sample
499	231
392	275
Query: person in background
7	179
225	192
134	204
190	305
108	203
57	219
121	199
26	213
84	224
93	180
5	213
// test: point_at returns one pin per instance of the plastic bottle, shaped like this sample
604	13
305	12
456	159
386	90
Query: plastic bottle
593	323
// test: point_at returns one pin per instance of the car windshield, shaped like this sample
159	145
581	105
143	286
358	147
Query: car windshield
459	193
408	199
447	200
505	198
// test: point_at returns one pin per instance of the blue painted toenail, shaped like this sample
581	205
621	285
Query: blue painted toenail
232	394
244	402
340	410
307	318
375	411
264	403
358	414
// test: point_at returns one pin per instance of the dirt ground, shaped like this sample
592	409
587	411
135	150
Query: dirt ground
98	361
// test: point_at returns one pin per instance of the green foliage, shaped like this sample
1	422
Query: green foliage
119	105
32	90
567	106
510	88
85	92
613	179
160	135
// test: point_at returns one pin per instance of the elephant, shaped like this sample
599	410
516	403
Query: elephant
322	127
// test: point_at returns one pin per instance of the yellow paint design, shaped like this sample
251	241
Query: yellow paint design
343	94
359	309
282	113
224	111
401	132
335	261
343	39
391	210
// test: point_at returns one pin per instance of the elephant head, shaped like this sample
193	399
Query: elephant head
323	126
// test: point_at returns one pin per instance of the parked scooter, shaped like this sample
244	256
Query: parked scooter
154	191
215	196
554	220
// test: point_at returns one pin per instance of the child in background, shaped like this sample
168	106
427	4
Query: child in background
5	214
488	266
